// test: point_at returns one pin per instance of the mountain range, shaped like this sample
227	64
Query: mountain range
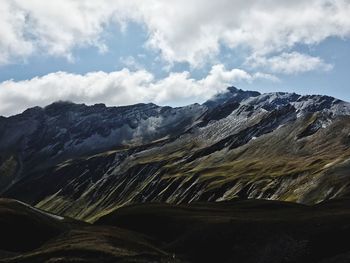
244	177
86	161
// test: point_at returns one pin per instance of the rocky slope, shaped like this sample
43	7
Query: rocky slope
41	137
85	161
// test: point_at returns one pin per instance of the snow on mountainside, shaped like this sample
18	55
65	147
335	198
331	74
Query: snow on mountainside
270	101
43	136
64	125
92	159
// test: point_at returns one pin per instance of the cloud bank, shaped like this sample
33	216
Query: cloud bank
122	87
290	63
182	31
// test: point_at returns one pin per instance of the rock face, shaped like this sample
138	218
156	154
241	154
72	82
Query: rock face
84	161
39	138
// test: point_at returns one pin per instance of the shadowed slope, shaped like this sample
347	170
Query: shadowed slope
31	236
244	231
23	228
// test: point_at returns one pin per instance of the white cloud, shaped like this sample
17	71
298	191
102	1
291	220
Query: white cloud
117	88
290	63
51	28
12	40
192	31
131	63
182	30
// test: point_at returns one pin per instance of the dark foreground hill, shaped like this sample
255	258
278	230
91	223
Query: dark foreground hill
30	235
233	231
84	161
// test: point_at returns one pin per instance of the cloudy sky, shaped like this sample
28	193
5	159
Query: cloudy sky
169	52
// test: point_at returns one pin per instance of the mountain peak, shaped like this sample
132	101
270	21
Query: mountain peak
59	106
232	94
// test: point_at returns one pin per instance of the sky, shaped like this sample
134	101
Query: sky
121	52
